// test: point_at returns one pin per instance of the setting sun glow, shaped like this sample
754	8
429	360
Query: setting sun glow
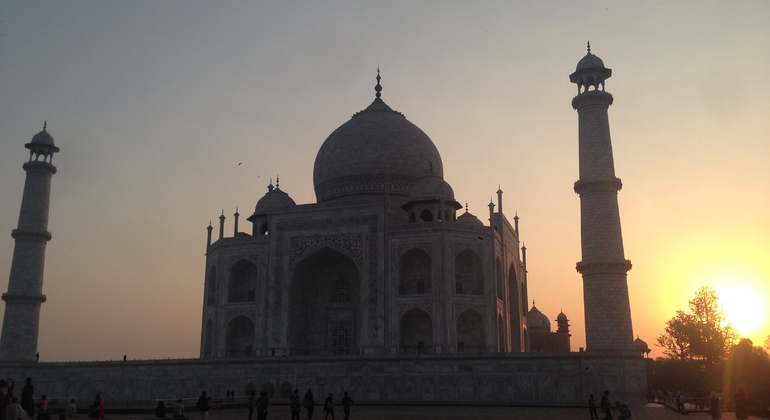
743	307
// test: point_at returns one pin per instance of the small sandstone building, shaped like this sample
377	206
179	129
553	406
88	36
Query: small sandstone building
384	263
541	338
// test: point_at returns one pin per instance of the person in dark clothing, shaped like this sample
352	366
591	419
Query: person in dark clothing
262	404
346	403
27	401
160	410
592	407
606	405
203	405
329	407
309	402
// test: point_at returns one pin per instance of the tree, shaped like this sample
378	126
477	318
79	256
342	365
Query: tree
702	334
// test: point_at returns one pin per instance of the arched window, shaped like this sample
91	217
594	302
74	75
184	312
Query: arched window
426	216
211	287
469	274
416	333
208	338
470	332
239	339
415	273
243	282
341	338
341	291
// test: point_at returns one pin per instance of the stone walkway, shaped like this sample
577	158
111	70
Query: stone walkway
650	412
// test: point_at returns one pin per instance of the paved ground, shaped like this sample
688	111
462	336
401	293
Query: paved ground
650	412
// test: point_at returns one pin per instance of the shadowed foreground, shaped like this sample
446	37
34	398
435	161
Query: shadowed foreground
649	412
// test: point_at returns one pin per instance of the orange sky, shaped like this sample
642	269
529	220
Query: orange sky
154	105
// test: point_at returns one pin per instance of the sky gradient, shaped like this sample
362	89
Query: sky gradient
168	113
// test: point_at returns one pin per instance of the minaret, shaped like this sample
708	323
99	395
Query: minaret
18	341
604	266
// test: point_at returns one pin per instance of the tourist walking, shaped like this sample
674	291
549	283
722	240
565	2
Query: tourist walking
203	406
71	411
27	401
295	405
606	405
262	404
714	406
14	410
592	407
96	411
329	407
741	405
252	403
309	402
179	410
346	403
42	409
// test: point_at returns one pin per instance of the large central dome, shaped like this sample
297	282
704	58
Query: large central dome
377	152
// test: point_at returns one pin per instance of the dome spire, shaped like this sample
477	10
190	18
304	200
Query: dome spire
378	88
588	43
45	123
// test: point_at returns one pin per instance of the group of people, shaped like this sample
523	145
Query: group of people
177	413
261	404
624	413
11	408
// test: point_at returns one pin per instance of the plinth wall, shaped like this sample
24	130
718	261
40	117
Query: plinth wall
498	379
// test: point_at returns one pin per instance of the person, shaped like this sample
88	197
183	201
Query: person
179	410
329	407
680	401
606	405
160	410
14	410
27	402
741	405
97	408
346	403
262	404
592	407
295	405
625	413
203	406
42	409
71	411
714	406
309	402
252	403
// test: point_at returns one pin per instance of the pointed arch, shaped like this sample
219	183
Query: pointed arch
211	287
415	273
470	332
426	216
469	274
208	340
324	304
243	282
239	337
415	333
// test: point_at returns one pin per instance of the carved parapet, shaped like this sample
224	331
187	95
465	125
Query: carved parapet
28	299
611	184
592	97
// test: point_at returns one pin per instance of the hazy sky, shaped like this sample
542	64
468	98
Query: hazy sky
154	104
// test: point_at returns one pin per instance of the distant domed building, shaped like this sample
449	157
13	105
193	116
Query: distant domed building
541	338
380	264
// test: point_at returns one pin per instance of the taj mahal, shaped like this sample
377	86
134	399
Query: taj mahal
386	284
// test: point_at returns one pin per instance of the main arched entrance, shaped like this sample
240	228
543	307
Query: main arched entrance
324	305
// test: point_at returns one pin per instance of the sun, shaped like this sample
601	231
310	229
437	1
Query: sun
743	306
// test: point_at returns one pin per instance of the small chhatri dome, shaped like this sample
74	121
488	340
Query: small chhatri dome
43	138
561	316
274	199
589	61
641	346
431	187
469	219
377	152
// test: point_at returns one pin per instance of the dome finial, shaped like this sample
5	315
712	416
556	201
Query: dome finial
277	181
378	88
466	206
45	123
589	47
